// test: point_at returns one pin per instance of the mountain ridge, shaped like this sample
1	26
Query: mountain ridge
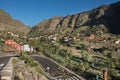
106	15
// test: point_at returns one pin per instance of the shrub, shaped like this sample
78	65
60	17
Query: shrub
63	52
28	60
14	61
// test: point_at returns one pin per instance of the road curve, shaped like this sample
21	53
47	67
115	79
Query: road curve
57	72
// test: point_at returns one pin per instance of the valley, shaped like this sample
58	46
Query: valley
86	43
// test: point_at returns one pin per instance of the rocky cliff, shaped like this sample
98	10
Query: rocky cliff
105	18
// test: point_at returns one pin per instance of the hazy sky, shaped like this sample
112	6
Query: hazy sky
31	12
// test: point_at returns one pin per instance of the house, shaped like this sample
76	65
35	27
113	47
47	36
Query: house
27	48
53	38
13	44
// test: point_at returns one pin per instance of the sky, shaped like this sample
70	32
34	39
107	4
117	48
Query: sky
31	12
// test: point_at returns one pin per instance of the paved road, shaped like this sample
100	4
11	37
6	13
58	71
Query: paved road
3	61
57	72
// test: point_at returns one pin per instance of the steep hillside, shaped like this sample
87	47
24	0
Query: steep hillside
8	24
105	17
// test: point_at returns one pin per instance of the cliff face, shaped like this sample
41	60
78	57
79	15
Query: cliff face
9	24
106	16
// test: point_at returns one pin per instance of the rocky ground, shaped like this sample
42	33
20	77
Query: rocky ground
23	72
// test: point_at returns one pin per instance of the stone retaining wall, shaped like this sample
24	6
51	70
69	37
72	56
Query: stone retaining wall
7	71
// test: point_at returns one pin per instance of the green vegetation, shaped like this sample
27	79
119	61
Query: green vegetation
88	62
14	61
30	62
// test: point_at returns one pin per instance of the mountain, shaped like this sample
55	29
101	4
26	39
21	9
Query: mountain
104	19
8	24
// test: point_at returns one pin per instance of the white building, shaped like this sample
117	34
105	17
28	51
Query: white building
27	48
